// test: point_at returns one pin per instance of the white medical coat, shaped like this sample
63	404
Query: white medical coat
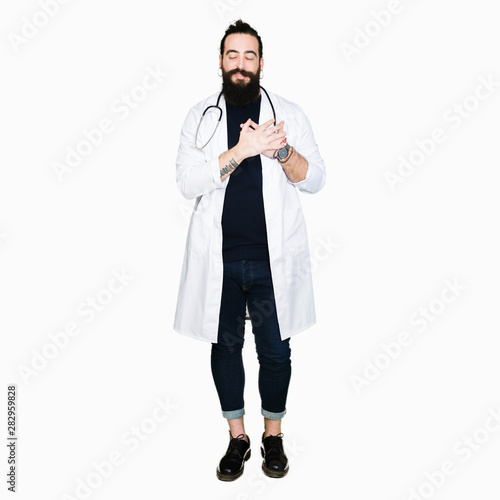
198	176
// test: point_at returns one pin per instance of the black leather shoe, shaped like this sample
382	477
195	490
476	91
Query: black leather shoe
275	462
232	463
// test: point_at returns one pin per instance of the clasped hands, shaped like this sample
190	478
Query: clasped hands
261	139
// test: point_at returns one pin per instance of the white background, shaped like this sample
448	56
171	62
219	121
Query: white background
120	210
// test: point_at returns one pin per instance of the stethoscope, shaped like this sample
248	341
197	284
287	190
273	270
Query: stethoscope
219	109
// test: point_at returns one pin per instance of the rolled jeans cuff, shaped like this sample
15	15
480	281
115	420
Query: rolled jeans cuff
273	415
231	415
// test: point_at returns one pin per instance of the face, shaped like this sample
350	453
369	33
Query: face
241	68
241	51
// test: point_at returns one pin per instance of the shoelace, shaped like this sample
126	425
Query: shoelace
240	436
274	442
234	444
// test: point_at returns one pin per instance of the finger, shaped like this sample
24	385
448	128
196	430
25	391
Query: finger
277	128
278	143
250	122
274	131
245	126
264	126
277	138
254	125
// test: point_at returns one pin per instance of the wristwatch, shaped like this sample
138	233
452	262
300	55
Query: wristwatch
282	154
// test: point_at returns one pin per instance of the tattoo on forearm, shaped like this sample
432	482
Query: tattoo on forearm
229	168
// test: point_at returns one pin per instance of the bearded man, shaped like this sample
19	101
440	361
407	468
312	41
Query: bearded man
247	247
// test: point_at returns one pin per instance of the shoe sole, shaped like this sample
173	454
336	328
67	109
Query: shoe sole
272	473
225	477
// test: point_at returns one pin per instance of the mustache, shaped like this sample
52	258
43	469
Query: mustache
242	71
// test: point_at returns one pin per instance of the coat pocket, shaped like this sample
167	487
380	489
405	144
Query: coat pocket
199	233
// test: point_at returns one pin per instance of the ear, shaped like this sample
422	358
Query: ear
220	61
261	63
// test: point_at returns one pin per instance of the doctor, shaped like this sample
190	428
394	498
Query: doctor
247	246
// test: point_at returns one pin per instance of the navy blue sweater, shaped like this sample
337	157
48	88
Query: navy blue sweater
243	219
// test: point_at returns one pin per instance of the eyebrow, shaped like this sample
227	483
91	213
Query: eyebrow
246	52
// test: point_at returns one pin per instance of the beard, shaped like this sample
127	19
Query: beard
240	93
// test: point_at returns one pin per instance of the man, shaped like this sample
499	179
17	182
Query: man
247	243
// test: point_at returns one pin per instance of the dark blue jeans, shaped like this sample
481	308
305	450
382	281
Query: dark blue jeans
250	283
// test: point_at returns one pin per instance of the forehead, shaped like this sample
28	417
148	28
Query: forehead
241	42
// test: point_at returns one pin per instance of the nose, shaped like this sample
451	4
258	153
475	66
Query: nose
241	63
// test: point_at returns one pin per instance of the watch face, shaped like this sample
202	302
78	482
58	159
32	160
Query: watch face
282	153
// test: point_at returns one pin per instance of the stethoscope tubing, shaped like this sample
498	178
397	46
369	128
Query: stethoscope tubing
216	106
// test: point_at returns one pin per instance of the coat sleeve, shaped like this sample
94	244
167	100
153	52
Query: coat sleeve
195	173
306	146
